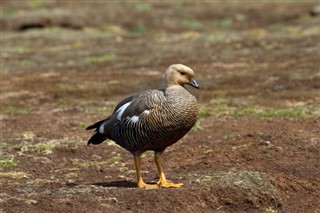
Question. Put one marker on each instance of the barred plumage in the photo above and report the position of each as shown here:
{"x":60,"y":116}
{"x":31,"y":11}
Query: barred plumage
{"x":152,"y":120}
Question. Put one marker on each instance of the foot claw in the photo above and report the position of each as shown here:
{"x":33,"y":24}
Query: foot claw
{"x":148,"y":186}
{"x":169,"y":184}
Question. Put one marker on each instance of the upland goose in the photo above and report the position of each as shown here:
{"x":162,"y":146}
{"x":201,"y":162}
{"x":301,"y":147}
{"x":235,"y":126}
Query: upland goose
{"x":152,"y":120}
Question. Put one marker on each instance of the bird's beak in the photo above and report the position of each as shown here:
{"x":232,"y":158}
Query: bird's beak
{"x":194,"y":83}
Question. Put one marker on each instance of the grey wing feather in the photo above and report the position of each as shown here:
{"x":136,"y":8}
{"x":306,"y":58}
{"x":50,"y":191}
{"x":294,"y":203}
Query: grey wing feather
{"x":143,"y":101}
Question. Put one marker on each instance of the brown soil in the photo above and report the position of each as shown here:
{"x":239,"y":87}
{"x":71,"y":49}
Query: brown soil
{"x":64,"y":65}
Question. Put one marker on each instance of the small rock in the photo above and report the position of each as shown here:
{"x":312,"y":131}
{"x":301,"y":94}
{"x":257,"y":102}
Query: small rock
{"x":31,"y":202}
{"x":315,"y":11}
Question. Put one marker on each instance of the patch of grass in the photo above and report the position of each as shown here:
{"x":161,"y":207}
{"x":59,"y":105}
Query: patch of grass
{"x":82,"y":125}
{"x":55,"y":29}
{"x":71,"y":175}
{"x":214,"y":110}
{"x":100,"y":59}
{"x":23,"y":146}
{"x":8,"y":161}
{"x":197,"y":126}
{"x":296,"y":112}
{"x":142,"y":7}
{"x":228,"y":137}
{"x":13,"y":175}
{"x":204,"y":112}
{"x":14,"y":110}
{"x":27,"y":135}
{"x":243,"y":112}
{"x":42,"y":148}
{"x":221,"y":109}
{"x":39,"y":148}
{"x":36,"y":3}
{"x":277,"y":26}
{"x":27,"y":62}
{"x":9,"y":11}
{"x":192,"y":24}
{"x":3,"y":145}
{"x":114,"y":159}
{"x":139,"y":29}
{"x":64,"y":100}
{"x":226,"y":50}
{"x":225,"y":23}
{"x":104,"y":110}
{"x":216,"y":37}
{"x":316,"y":110}
{"x":20,"y":50}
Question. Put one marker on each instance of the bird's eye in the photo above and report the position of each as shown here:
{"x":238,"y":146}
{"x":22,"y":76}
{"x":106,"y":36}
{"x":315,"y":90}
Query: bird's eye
{"x":182,"y":73}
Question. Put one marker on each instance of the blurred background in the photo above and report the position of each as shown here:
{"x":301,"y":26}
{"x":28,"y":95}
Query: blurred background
{"x":65,"y":64}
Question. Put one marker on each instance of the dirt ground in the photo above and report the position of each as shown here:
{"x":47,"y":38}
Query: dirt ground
{"x":66,"y":64}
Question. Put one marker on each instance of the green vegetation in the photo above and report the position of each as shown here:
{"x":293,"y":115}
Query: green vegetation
{"x":216,"y":110}
{"x":8,"y":161}
{"x":42,"y":148}
{"x":3,"y":145}
{"x":36,"y":3}
{"x":316,"y":110}
{"x":192,"y":24}
{"x":82,"y":125}
{"x":139,"y":29}
{"x":296,"y":112}
{"x":243,"y":112}
{"x":114,"y":159}
{"x":21,"y":49}
{"x":27,"y":62}
{"x":39,"y":148}
{"x":100,"y":59}
{"x":216,"y":37}
{"x":225,"y":23}
{"x":9,"y":11}
{"x":71,"y":175}
{"x":14,"y":110}
{"x":277,"y":26}
{"x":142,"y":7}
{"x":64,"y":100}
{"x":13,"y":175}
{"x":228,"y":137}
{"x":223,"y":110}
{"x":197,"y":126}
{"x":27,"y":135}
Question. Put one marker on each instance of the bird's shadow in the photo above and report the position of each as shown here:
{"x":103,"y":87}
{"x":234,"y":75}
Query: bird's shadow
{"x":109,"y":184}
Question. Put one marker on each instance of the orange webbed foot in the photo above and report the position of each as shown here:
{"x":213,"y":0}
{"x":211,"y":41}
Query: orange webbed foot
{"x":168,"y":184}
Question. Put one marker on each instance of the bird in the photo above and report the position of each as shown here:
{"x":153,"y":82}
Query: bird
{"x":152,"y":120}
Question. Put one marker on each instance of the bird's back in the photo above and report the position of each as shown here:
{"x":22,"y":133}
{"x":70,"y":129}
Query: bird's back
{"x":165,"y":117}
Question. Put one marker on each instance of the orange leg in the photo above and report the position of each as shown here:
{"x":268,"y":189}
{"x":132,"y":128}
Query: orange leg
{"x":162,"y":178}
{"x":140,"y":182}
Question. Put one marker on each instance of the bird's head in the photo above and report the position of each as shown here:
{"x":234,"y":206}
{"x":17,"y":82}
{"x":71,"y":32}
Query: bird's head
{"x":179,"y":74}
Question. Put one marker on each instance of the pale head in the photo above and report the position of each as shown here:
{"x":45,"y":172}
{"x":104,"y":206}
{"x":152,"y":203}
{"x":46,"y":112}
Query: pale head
{"x":179,"y":75}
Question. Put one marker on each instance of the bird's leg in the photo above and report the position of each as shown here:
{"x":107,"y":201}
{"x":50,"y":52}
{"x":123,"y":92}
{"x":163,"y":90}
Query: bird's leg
{"x":162,"y":178}
{"x":140,"y":182}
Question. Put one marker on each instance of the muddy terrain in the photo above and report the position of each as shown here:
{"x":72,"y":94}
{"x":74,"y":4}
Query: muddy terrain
{"x":66,"y":64}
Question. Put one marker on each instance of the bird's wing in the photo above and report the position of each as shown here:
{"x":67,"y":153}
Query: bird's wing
{"x":131,"y":107}
{"x":102,"y":122}
{"x":139,"y":103}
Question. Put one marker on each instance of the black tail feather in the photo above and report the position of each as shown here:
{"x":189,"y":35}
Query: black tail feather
{"x":97,"y":138}
{"x":95,"y":125}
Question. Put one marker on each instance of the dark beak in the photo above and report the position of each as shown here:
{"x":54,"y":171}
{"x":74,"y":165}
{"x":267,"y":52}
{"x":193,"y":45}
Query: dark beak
{"x":194,"y":83}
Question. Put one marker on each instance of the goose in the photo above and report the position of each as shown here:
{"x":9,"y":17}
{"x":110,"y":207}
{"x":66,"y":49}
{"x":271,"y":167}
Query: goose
{"x":152,"y":120}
